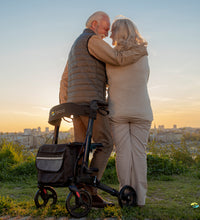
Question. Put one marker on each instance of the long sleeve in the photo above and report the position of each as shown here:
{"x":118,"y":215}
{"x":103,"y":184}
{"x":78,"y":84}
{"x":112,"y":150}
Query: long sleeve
{"x":104,"y":52}
{"x":63,"y":86}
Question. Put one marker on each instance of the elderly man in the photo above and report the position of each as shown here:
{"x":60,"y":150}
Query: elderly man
{"x":84,"y":80}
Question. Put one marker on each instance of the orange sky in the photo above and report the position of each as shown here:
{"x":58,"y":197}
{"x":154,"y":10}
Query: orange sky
{"x":35,"y":47}
{"x":16,"y":123}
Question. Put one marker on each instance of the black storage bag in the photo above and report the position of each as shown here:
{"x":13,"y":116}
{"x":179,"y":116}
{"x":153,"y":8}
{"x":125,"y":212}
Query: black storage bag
{"x":55,"y":163}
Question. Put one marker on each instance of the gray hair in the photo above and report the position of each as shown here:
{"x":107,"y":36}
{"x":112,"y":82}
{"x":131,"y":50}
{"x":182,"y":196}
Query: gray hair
{"x":126,"y":33}
{"x":97,"y":16}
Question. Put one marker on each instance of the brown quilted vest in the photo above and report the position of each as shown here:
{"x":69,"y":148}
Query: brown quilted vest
{"x":86,"y":74}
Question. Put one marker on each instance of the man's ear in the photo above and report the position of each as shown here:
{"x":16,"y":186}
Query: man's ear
{"x":94,"y":24}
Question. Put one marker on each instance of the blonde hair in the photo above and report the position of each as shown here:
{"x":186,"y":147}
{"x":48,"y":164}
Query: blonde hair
{"x":97,"y":16}
{"x":126,"y":33}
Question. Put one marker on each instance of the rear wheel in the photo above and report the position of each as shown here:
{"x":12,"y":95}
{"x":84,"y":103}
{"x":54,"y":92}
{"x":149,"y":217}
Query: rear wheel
{"x":127,"y":196}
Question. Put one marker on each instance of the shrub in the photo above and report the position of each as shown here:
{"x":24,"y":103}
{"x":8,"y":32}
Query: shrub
{"x":8,"y":155}
{"x":163,"y":166}
{"x":16,"y":161}
{"x":156,"y":166}
{"x":182,"y":154}
{"x":176,"y":153}
{"x":110,"y":174}
{"x":197,"y":160}
{"x":24,"y":169}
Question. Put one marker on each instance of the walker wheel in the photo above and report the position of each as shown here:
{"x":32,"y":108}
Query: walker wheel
{"x":127,"y":197}
{"x":44,"y":195}
{"x":78,"y":205}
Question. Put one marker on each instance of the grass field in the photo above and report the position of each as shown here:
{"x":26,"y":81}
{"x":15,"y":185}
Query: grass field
{"x":167,"y":198}
{"x":172,"y":186}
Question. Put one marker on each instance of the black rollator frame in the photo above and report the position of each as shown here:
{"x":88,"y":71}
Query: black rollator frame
{"x":78,"y":201}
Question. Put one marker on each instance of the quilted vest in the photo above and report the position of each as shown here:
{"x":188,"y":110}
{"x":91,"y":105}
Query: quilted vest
{"x":86,"y":74}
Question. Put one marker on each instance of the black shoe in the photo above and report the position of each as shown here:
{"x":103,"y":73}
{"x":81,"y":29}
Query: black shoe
{"x":98,"y":202}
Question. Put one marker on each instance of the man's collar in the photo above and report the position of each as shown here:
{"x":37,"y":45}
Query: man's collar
{"x":88,"y":30}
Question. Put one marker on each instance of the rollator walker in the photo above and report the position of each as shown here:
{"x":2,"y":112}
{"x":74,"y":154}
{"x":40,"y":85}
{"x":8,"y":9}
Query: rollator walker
{"x":67,"y":165}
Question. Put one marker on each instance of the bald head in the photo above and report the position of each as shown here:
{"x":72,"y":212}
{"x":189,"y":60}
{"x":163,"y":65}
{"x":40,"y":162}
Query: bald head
{"x":99,"y":22}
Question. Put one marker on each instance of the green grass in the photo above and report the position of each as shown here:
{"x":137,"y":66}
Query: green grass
{"x":172,"y":186}
{"x":169,"y":199}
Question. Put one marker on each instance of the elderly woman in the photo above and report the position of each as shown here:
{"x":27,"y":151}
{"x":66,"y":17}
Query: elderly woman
{"x":130,"y":110}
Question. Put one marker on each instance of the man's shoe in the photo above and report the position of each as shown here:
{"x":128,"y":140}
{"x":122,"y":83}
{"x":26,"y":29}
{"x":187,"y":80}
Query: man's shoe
{"x":98,"y":202}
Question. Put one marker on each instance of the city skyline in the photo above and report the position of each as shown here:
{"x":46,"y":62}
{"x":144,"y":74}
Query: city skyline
{"x":36,"y":37}
{"x":50,"y":128}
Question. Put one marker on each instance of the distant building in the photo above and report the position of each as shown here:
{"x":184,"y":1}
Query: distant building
{"x":161,"y":127}
{"x":153,"y":134}
{"x":27,"y":131}
{"x":167,"y":136}
{"x":34,"y":131}
{"x":47,"y":130}
{"x":174,"y":126}
{"x":64,"y":135}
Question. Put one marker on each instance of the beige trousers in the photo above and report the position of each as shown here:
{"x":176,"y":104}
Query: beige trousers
{"x":101,"y":134}
{"x":130,"y":139}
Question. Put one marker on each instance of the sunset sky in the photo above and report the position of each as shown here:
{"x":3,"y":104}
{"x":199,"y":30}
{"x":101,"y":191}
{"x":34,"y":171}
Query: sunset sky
{"x":36,"y":36}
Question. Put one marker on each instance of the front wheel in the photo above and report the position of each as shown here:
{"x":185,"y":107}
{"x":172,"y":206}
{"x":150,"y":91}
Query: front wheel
{"x":44,"y":195}
{"x":78,"y":204}
{"x":127,"y":197}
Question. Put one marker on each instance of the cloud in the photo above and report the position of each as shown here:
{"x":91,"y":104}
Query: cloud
{"x":162,"y":99}
{"x":170,"y":112}
{"x":25,"y":113}
{"x":158,"y":86}
{"x":42,"y":108}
